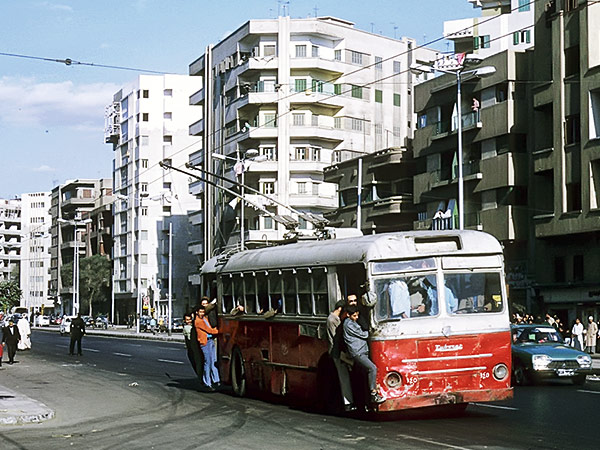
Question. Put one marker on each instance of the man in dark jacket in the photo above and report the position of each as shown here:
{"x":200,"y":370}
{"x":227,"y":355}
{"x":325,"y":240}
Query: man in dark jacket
{"x":356,"y":340}
{"x":10,"y":335}
{"x":77,"y":332}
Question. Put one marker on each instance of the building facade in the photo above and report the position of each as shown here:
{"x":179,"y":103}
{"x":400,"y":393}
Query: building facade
{"x":565,"y":159}
{"x":503,"y":25}
{"x":35,"y":252}
{"x":302,"y":94}
{"x":10,"y":239}
{"x":147,"y":123}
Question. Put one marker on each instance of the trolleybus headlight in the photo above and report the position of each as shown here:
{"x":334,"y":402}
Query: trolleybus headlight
{"x":393,"y":380}
{"x":500,"y":372}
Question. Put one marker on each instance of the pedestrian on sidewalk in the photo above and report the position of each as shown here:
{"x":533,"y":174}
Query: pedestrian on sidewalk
{"x":11,"y":336}
{"x":577,"y":333}
{"x":77,"y":332}
{"x":25,"y":332}
{"x":590,"y":336}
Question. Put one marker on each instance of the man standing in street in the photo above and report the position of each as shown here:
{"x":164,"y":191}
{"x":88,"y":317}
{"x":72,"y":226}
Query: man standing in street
{"x":25,"y":332}
{"x":77,"y":332}
{"x":356,"y":340}
{"x":10,"y":335}
{"x":590,"y":336}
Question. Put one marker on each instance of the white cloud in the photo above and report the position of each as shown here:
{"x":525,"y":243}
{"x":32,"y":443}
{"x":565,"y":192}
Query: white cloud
{"x":26,"y":102}
{"x":55,"y":6}
{"x":44,"y":168}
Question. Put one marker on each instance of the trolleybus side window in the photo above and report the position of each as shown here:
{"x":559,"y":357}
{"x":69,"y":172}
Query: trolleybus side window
{"x":304,"y":292}
{"x":238,"y":290}
{"x":289,"y":293}
{"x":404,"y":297}
{"x":227,"y":304}
{"x":250,"y":293}
{"x":262,"y":292}
{"x":319,"y":280}
{"x":474,"y":293}
{"x":276,"y":291}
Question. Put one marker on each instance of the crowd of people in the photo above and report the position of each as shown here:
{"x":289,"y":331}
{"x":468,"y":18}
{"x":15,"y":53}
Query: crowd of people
{"x":15,"y":336}
{"x":580,"y":336}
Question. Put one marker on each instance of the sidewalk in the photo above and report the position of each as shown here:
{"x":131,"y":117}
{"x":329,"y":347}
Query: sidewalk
{"x":18,"y":409}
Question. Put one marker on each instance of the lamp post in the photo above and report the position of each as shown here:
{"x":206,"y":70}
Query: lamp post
{"x":480,"y":72}
{"x":76,"y":224}
{"x":249,"y":155}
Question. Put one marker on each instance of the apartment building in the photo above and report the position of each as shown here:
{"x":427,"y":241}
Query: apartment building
{"x":74,"y":207}
{"x":35,"y":252}
{"x":302,"y":94}
{"x":494,"y":153}
{"x":10,"y":239}
{"x":503,"y":25}
{"x":146,"y":123}
{"x":565,"y":152}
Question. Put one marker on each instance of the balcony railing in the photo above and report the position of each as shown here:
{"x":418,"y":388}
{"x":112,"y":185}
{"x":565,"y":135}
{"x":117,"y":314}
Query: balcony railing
{"x":469,"y":120}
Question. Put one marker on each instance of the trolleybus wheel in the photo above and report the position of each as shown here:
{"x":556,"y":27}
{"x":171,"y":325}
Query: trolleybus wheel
{"x":238,"y":373}
{"x":520,"y":376}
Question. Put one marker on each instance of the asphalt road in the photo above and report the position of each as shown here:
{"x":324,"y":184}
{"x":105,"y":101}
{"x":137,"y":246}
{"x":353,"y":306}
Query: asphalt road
{"x":136,"y":394}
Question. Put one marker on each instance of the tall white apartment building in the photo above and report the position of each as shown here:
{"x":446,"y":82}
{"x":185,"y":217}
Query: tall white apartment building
{"x":503,"y":25}
{"x":303,"y":93}
{"x":147,"y":123}
{"x":35,"y":251}
{"x":10,"y":238}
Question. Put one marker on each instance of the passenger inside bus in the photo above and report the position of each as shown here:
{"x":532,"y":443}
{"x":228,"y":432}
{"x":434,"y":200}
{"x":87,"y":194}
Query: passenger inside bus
{"x":406,"y":297}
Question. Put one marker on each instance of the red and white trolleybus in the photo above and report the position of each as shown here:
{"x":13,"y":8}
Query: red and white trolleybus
{"x":435,"y":300}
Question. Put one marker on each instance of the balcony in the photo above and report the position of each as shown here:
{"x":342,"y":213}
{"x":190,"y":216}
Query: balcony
{"x":307,"y":166}
{"x":508,"y":169}
{"x":459,"y":29}
{"x":313,"y":201}
{"x":197,"y":128}
{"x":196,"y":158}
{"x":470,"y":120}
{"x":543,"y":160}
{"x":194,"y":279}
{"x":257,"y":63}
{"x":196,"y":247}
{"x":196,"y":218}
{"x":506,"y":222}
{"x":197,"y":98}
{"x":196,"y":188}
{"x":332,"y":67}
{"x":329,"y":134}
{"x":397,"y":204}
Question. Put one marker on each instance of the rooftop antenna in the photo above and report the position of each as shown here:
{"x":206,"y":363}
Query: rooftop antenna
{"x":395,"y":29}
{"x":316,"y":11}
{"x":372,"y":26}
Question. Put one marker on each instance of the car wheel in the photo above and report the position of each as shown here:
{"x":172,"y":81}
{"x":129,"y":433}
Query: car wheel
{"x":238,"y":373}
{"x":579,"y":380}
{"x":520,"y":376}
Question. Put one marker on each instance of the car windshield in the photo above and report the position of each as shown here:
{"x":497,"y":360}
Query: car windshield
{"x":537,"y":335}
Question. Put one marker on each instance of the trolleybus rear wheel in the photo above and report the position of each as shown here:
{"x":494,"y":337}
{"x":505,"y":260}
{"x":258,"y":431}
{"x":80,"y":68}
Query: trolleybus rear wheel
{"x":238,"y":373}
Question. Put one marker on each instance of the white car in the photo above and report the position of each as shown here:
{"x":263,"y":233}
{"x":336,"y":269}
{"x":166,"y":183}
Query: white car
{"x":42,"y":321}
{"x":65,"y":325}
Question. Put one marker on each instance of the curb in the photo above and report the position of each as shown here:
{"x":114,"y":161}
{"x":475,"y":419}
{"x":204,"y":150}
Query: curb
{"x":18,"y":409}
{"x":121,"y":334}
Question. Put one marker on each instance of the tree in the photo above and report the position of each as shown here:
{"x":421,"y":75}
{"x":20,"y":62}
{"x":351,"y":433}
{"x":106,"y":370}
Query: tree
{"x":94,"y":281}
{"x":10,"y":295}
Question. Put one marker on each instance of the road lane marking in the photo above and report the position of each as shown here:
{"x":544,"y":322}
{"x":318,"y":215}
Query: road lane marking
{"x":170,"y":348}
{"x":510,"y":408}
{"x":170,"y":361}
{"x":135,"y":345}
{"x":429,"y":441}
{"x":91,"y":350}
{"x":122,"y":354}
{"x":588,"y":392}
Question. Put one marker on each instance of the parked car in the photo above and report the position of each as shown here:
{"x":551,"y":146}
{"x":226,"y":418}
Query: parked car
{"x":42,"y":321}
{"x":177,"y":325}
{"x":539,"y":352}
{"x":101,"y":322}
{"x":65,"y":325}
{"x":89,"y":321}
{"x":145,"y":323}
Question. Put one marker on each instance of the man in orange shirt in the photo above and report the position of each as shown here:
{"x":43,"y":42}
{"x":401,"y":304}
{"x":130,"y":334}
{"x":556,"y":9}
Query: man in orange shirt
{"x":210,"y":377}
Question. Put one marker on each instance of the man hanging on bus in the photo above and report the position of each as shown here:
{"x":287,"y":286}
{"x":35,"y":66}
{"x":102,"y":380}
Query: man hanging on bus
{"x":356,"y":340}
{"x":336,"y":340}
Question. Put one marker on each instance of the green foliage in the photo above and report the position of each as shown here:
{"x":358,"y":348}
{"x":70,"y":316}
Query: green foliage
{"x":10,"y":294}
{"x":94,"y":283}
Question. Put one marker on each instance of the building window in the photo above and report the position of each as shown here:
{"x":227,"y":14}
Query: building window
{"x":397,"y":67}
{"x":146,"y":93}
{"x":167,"y":139}
{"x":396,"y":99}
{"x":167,"y":185}
{"x":481,"y":42}
{"x":298,"y":120}
{"x":357,"y":124}
{"x":315,"y":153}
{"x":301,"y":187}
{"x":573,"y":196}
{"x":337,"y":123}
{"x":578,"y":274}
{"x":144,"y":235}
{"x":337,"y":89}
{"x":357,"y":57}
{"x":269,"y":152}
{"x":315,"y":51}
{"x":337,"y":55}
{"x":300,"y":85}
{"x":145,"y":117}
{"x":572,"y":129}
{"x":572,"y":61}
{"x":268,"y":223}
{"x":595,"y":184}
{"x":300,"y":51}
{"x":559,"y":269}
{"x":269,"y":50}
{"x":315,"y":189}
{"x":300,"y":154}
{"x":144,"y":187}
{"x":302,"y":224}
{"x":168,"y":92}
{"x":270,"y":120}
{"x":357,"y":91}
{"x":144,"y":211}
{"x":145,"y":141}
{"x":168,"y":116}
{"x":522,"y":37}
{"x":267,"y":187}
{"x":571,"y":5}
{"x":166,"y":210}
{"x":144,"y":258}
{"x":594,"y":116}
{"x":378,"y":96}
{"x":378,"y":63}
{"x":524,"y":5}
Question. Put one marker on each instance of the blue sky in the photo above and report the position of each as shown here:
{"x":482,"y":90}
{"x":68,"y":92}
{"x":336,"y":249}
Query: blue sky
{"x":52,"y":115}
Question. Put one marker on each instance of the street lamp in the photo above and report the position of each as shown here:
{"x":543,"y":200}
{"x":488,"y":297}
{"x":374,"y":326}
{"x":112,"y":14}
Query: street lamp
{"x":252,"y":156}
{"x":76,"y":224}
{"x":480,"y":72}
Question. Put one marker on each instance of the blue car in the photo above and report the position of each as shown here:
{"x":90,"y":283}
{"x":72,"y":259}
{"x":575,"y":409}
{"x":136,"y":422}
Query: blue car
{"x":539,"y":352}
